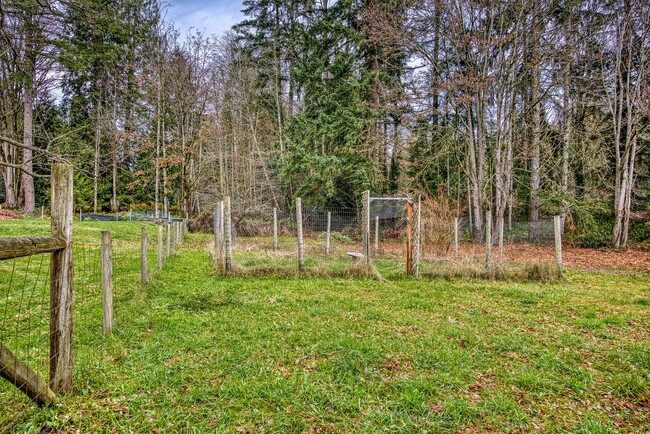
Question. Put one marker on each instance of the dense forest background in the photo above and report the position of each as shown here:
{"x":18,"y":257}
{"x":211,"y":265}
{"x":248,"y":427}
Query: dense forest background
{"x":528,"y":108}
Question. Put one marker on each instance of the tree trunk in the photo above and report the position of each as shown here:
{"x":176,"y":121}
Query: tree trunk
{"x":28,"y":180}
{"x":28,"y":114}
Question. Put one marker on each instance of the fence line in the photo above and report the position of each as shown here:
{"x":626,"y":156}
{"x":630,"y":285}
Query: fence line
{"x":430,"y":236}
{"x":25,"y":270}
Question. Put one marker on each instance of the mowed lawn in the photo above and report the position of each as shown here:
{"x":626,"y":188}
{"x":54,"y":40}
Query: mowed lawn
{"x":197,"y":352}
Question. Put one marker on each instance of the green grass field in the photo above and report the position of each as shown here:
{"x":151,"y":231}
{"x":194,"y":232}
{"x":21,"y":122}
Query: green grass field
{"x":197,"y":352}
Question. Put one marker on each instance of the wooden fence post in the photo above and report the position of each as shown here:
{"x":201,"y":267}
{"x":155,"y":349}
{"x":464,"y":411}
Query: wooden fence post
{"x":301,"y":259}
{"x":275,"y":229}
{"x":227,"y":235}
{"x":365,"y":229}
{"x":61,"y":272}
{"x":409,"y":238}
{"x":144,"y":277}
{"x":456,"y":224}
{"x":329,"y":232}
{"x":215,"y":229}
{"x":107,"y":280}
{"x":174,"y":236}
{"x":488,"y":238}
{"x":160,"y":246}
{"x":418,"y":235}
{"x":167,"y":239}
{"x":558,"y":244}
{"x":376,"y":236}
{"x":222,"y":225}
{"x":501,"y":223}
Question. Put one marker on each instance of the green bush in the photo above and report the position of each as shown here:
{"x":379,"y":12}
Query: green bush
{"x":593,"y":224}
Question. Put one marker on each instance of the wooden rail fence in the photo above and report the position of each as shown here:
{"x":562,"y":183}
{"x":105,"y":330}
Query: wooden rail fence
{"x":59,"y":245}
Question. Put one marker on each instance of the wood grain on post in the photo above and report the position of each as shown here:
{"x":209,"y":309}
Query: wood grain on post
{"x":222,"y":225}
{"x":227,"y":235}
{"x":275,"y":229}
{"x":376,"y":236}
{"x":409,"y":239}
{"x":488,"y":238}
{"x":144,"y":275}
{"x":558,"y":243}
{"x":168,"y":239}
{"x":329,"y":232}
{"x":61,"y":273}
{"x":160,"y":246}
{"x":301,"y":259}
{"x":365,"y":223}
{"x":501,"y":228}
{"x":17,"y":247}
{"x":418,"y":235}
{"x":107,"y":280}
{"x":215,"y":229}
{"x":174,"y":236}
{"x":456,"y":224}
{"x":18,"y":373}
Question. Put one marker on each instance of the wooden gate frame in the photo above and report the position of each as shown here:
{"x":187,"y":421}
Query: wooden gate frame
{"x":365,"y":228}
{"x":59,"y":244}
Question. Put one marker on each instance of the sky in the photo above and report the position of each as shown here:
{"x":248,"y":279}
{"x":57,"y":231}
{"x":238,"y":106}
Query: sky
{"x":209,"y":16}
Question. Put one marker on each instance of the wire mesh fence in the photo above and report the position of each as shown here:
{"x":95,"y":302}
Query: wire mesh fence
{"x":25,"y":302}
{"x":131,"y":215}
{"x":24,"y":316}
{"x":514,"y":231}
{"x":392,"y":240}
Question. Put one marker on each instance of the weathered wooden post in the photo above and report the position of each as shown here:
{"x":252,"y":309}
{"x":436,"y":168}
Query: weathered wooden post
{"x":215,"y":229}
{"x":329,"y":232}
{"x":376,"y":236}
{"x":160,"y":246}
{"x":488,"y":238}
{"x":301,"y":259}
{"x":61,"y":272}
{"x":418,"y":237}
{"x":174,"y":237}
{"x":365,"y":229}
{"x":456,"y":224}
{"x":227,"y":235}
{"x":409,"y":238}
{"x":222,"y":225}
{"x":275,"y":229}
{"x":558,"y":244}
{"x":501,"y":224}
{"x":167,"y":239}
{"x":107,"y":280}
{"x":144,"y":276}
{"x":42,"y":212}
